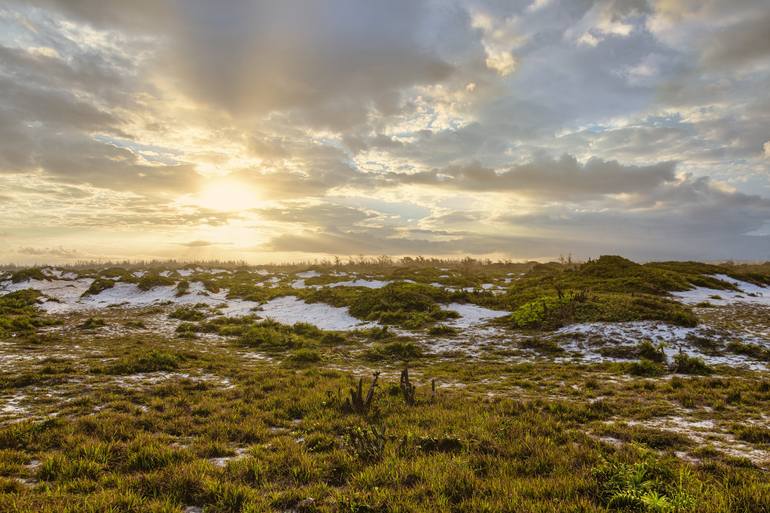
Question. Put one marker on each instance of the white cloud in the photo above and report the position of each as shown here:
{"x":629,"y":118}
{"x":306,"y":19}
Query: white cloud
{"x":500,"y":37}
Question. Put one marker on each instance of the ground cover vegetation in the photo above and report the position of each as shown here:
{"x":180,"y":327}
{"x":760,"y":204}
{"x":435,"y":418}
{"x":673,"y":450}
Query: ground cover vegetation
{"x":177,"y":407}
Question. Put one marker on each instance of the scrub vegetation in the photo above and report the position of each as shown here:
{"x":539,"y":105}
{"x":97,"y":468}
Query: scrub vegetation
{"x":179,"y":406}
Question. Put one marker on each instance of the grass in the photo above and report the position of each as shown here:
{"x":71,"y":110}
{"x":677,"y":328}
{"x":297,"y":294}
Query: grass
{"x":150,"y":447}
{"x":19,"y":315}
{"x":152,"y":361}
{"x":32,"y":273}
{"x":98,"y":286}
{"x":686,"y":364}
{"x":254,"y":415}
{"x":153,"y":279}
{"x":551,"y":312}
{"x":410,"y":305}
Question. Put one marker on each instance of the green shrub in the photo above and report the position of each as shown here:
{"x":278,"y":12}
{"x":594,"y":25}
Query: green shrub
{"x":98,"y":286}
{"x":648,"y":351}
{"x":648,"y":368}
{"x":152,"y":280}
{"x":686,"y":364}
{"x":182,"y":288}
{"x":411,"y":305}
{"x":187,"y":313}
{"x":403,"y":350}
{"x":32,"y":273}
{"x":302,"y":356}
{"x":366,"y":443}
{"x":642,"y":487}
{"x":272,"y":336}
{"x":442,"y":330}
{"x":755,"y":351}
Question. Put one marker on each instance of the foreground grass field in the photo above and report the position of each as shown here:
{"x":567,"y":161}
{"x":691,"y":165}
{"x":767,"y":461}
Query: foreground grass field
{"x":178,"y":409}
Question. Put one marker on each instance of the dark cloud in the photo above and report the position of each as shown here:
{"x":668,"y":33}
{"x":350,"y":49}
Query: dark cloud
{"x":562,"y":178}
{"x":324,"y":215}
{"x":740,"y":44}
{"x":327,"y":64}
{"x":383,"y":126}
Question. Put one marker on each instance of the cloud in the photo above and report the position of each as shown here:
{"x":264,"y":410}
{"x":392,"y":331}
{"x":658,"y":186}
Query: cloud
{"x":742,"y":43}
{"x":528,"y":128}
{"x":328,"y":65}
{"x":563,"y":178}
{"x":58,"y":252}
{"x":201,"y":244}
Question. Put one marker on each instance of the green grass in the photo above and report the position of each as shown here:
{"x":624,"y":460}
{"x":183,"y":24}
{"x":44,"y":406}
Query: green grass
{"x":552,"y":312}
{"x":410,"y":305}
{"x":32,"y":273}
{"x":19,"y":315}
{"x":135,"y":421}
{"x":149,"y":447}
{"x":98,"y":286}
{"x":686,"y":364}
{"x":152,"y":280}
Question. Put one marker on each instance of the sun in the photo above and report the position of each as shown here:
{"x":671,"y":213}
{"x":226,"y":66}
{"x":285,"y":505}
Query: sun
{"x":228,"y":195}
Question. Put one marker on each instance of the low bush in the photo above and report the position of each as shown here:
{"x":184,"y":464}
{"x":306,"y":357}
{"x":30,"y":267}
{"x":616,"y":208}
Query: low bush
{"x":152,"y":280}
{"x":98,"y":286}
{"x":647,"y":368}
{"x":686,"y":364}
{"x":304,"y":356}
{"x":187,"y":313}
{"x":152,"y":361}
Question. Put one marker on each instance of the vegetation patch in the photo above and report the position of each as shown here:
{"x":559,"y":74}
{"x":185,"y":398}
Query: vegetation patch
{"x":98,"y":286}
{"x":411,"y":305}
{"x":31,"y":273}
{"x":152,"y":361}
{"x":686,"y":364}
{"x":152,"y":280}
{"x":19,"y":315}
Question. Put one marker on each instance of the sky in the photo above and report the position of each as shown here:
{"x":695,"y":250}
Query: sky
{"x":272,"y":131}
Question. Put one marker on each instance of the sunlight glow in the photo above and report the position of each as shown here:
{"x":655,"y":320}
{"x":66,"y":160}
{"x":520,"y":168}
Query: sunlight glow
{"x":228,"y":195}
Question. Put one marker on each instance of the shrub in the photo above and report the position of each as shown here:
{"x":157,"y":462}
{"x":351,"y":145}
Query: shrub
{"x":333,"y":339}
{"x":98,"y":286}
{"x":267,"y":337}
{"x":686,"y":364}
{"x":182,"y":288}
{"x":404,"y":350}
{"x":366,"y":443}
{"x":302,"y":356}
{"x":442,"y":330}
{"x":755,"y":351}
{"x":411,"y":305}
{"x":152,"y":280}
{"x":645,"y":367}
{"x":307,"y":330}
{"x":32,"y":273}
{"x":187,"y":313}
{"x":647,"y":350}
{"x":643,"y":487}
